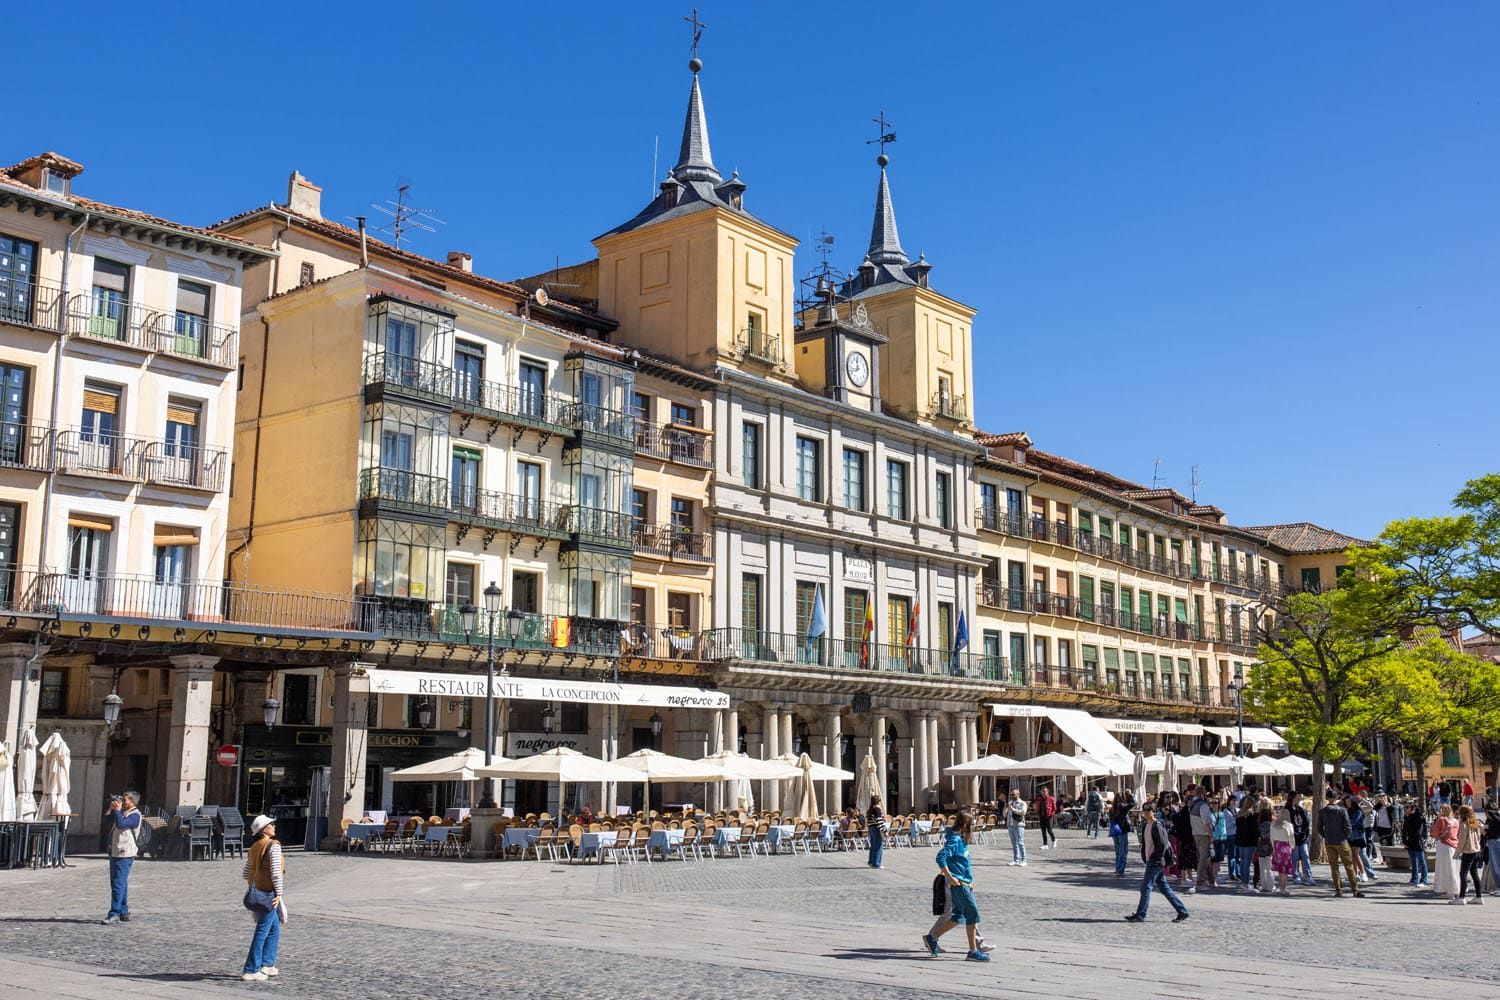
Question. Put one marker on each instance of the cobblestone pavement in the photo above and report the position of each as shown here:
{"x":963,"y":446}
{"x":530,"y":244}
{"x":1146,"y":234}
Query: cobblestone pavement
{"x":778,"y":927}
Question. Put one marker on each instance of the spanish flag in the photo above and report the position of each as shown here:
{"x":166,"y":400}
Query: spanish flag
{"x":869,"y":637}
{"x":561,"y":632}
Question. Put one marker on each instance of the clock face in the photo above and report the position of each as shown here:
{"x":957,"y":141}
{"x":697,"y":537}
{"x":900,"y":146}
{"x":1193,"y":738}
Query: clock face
{"x":859,"y":368}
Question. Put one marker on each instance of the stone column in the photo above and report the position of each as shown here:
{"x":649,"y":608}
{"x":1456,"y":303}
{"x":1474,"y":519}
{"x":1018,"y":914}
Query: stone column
{"x":187,"y":739}
{"x":716,"y":744}
{"x":610,"y":750}
{"x":770,"y":791}
{"x":934,"y":761}
{"x":906,"y":791}
{"x":14,"y":656}
{"x":877,"y":740}
{"x":346,"y":779}
{"x":832,"y":745}
{"x":971,"y":733}
{"x":919,"y":773}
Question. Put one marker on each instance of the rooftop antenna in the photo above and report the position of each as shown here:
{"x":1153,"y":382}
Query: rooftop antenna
{"x":556,"y":268}
{"x":1194,"y":484}
{"x":885,"y":136}
{"x":404,"y":217}
{"x":1155,"y":473}
{"x":655,"y":156}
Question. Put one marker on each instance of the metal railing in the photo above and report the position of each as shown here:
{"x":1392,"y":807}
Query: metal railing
{"x":74,"y":593}
{"x":422,"y":620}
{"x":1032,"y":601}
{"x":665,"y":643}
{"x":590,"y":418}
{"x":845,"y":654}
{"x":26,"y":445}
{"x":111,"y":318}
{"x":32,"y":302}
{"x":760,"y":344}
{"x":593,"y":524}
{"x":673,"y":542}
{"x":440,"y":383}
{"x":403,"y":490}
{"x":165,"y":463}
{"x":949,"y":406}
{"x":673,"y":444}
{"x":508,"y":512}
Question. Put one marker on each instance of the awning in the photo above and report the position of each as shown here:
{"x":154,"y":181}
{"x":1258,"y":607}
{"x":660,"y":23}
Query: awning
{"x":1256,"y":737}
{"x":540,"y":689}
{"x":1152,"y":726}
{"x":1077,"y":725}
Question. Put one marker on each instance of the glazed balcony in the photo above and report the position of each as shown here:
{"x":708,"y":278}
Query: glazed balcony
{"x":386,"y":372}
{"x":400,"y":490}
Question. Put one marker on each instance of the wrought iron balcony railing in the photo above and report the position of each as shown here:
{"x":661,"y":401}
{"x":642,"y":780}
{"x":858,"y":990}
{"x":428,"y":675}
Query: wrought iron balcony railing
{"x":846,"y":654}
{"x":108,"y":317}
{"x":508,"y":512}
{"x":441,"y":384}
{"x":402,"y":490}
{"x":761,"y":345}
{"x":31,"y":302}
{"x":83,"y":593}
{"x":26,"y":445}
{"x":674,"y":444}
{"x":670,"y":541}
{"x":421,"y":620}
{"x":950,"y":406}
{"x":166,"y":463}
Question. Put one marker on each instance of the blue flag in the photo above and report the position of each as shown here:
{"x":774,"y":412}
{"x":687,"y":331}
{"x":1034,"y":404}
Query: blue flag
{"x":960,"y":638}
{"x":818,"y":627}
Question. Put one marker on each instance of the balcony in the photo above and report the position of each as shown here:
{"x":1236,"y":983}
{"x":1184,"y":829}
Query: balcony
{"x":400,"y":490}
{"x":489,"y":510}
{"x":425,"y":621}
{"x":601,"y":527}
{"x":759,"y":344}
{"x":435,"y":383}
{"x":26,"y":445}
{"x":674,"y":543}
{"x":25,"y":590}
{"x":410,"y":377}
{"x":949,"y":406}
{"x":616,"y":427}
{"x":34,"y":303}
{"x":116,"y":456}
{"x":150,"y":328}
{"x":673,"y":443}
{"x":854,"y":655}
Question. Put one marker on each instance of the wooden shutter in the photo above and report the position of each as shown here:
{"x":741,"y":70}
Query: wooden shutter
{"x":97,"y":522}
{"x":101,"y":400}
{"x":180,"y":412}
{"x":166,"y":534}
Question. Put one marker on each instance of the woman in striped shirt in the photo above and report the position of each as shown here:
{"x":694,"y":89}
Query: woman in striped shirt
{"x":265,"y":870}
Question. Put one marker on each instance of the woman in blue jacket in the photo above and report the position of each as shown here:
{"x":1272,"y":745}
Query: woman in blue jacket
{"x":953,"y":862}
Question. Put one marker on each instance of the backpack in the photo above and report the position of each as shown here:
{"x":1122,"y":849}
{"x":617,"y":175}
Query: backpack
{"x":142,"y":836}
{"x":1163,"y":837}
{"x":939,"y":895}
{"x":1095,"y":802}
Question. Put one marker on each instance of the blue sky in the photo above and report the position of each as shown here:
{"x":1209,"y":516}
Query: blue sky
{"x":1262,"y":240}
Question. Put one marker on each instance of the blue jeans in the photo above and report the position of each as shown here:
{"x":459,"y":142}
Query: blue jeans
{"x":1492,"y":847}
{"x":1301,"y":864}
{"x":1419,"y":865}
{"x":1246,"y":857}
{"x":1122,"y":852}
{"x":1092,"y":829}
{"x":1361,"y":859}
{"x":119,"y":886}
{"x":1156,"y":879}
{"x":1017,"y":842}
{"x":877,"y":846}
{"x":263,"y":944}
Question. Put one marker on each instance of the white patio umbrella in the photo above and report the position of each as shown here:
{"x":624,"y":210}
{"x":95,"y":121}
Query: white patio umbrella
{"x":7,"y":785}
{"x":1138,"y":776}
{"x":26,"y":776}
{"x":739,"y":765}
{"x":820,"y":772}
{"x":662,"y":768}
{"x":56,"y":779}
{"x":984,"y":767}
{"x":461,"y":766}
{"x":1169,"y":771}
{"x":1054,"y":763}
{"x":564,"y":766}
{"x":804,"y":793}
{"x":867,"y":785}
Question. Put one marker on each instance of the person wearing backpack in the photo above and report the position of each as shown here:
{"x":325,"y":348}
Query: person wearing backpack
{"x":1094,"y":807}
{"x":1015,"y":825}
{"x":1156,"y":851}
{"x":123,"y":821}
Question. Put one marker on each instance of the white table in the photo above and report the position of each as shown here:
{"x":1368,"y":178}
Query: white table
{"x":520,"y":836}
{"x":364,"y":832}
{"x":724,"y":837}
{"x":777,"y":834}
{"x":435,"y":834}
{"x":919,"y":829}
{"x":594,"y":843}
{"x":663,"y":841}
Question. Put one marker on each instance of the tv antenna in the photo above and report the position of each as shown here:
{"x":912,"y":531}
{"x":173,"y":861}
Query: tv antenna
{"x":885,"y":135}
{"x":556,"y":268}
{"x":1155,"y":473}
{"x":404,"y":217}
{"x":1194,"y":483}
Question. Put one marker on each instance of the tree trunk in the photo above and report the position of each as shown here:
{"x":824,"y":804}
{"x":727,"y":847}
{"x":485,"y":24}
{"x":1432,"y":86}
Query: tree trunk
{"x":1315,"y":835}
{"x":1422,"y":795}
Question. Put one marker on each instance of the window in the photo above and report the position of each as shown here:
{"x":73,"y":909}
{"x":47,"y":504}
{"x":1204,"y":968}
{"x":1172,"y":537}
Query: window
{"x":1086,"y":598}
{"x":458,"y":585}
{"x":1132,"y":674}
{"x":17,"y":279}
{"x":1148,"y":667}
{"x":306,"y":274}
{"x":525,"y":591}
{"x":101,"y":413}
{"x":943,"y":498}
{"x":809,"y":469}
{"x":679,"y":611}
{"x":1039,"y":658}
{"x":897,"y":620}
{"x":682,"y":515}
{"x":1124,"y":536}
{"x":640,"y":508}
{"x":468,"y":371}
{"x":750,"y":603}
{"x":1015,"y":598}
{"x":1452,"y":758}
{"x":639,"y":606}
{"x":806,"y":595}
{"x":945,"y":626}
{"x":895,"y":489}
{"x":183,"y":419}
{"x":190,"y":326}
{"x":1090,"y":666}
{"x":640,"y":407}
{"x":532,"y":383}
{"x":856,"y":607}
{"x":1112,"y":669}
{"x":88,"y":551}
{"x":989,"y":501}
{"x":684,"y":415}
{"x":529,"y":489}
{"x":854,"y":479}
{"x":54,"y":694}
{"x":1065,"y":662}
{"x":110,"y":300}
{"x":1018,"y":657}
{"x":298,"y":707}
{"x":171,"y":565}
{"x":1338,"y":576}
{"x":750,"y":456}
{"x":464,"y":484}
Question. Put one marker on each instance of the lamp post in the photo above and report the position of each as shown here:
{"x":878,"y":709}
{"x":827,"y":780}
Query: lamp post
{"x":268,"y":710}
{"x":470,"y":616}
{"x":656,"y":730}
{"x":424,"y":715}
{"x":1238,"y":686}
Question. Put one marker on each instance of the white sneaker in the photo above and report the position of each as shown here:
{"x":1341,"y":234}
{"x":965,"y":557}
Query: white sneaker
{"x":254,"y":977}
{"x":270,"y":970}
{"x":1458,"y":901}
{"x":1023,"y":864}
{"x":1011,"y":864}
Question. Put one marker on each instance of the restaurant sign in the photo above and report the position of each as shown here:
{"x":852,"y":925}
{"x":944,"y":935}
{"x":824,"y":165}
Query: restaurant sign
{"x":413,"y":682}
{"x":526,"y":744}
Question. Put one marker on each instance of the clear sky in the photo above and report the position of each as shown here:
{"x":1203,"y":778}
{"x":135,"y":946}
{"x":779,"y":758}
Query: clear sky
{"x":1263,"y":240}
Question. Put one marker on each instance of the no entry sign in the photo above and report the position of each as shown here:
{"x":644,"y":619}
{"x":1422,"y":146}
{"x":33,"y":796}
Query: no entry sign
{"x":228,"y":755}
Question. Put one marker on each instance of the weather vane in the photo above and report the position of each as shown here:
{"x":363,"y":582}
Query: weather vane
{"x":698,"y":27}
{"x":884,"y":136}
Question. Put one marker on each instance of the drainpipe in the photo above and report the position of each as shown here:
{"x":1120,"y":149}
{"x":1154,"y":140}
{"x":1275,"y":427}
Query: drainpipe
{"x":62,"y":305}
{"x":364,"y":245}
{"x":265,"y":351}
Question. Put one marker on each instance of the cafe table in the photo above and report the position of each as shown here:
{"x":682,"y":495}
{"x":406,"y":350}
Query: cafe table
{"x":919,"y":829}
{"x":663,"y":841}
{"x":363,"y":832}
{"x":520,"y":837}
{"x":724,"y":838}
{"x":595,"y":842}
{"x":776,"y":834}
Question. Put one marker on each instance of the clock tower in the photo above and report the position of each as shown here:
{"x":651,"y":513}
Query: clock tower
{"x":838,"y":348}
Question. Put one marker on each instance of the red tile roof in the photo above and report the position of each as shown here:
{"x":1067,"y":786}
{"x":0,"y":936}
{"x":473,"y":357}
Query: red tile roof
{"x":1304,"y":537}
{"x":1013,"y":438}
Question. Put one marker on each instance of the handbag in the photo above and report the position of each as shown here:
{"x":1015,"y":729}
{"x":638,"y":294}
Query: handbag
{"x":1114,"y":828}
{"x":939,"y":895}
{"x":258,"y":901}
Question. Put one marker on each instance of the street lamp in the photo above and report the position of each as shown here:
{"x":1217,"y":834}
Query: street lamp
{"x":424,"y":714}
{"x":471,"y":618}
{"x":1238,"y":686}
{"x":656,"y":730}
{"x":268,"y":710}
{"x":548,"y":719}
{"x":112,"y":705}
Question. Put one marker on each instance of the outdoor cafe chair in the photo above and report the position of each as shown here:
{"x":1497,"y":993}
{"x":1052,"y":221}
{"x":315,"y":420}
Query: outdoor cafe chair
{"x":760,"y":841}
{"x":200,"y":837}
{"x":575,"y":840}
{"x":745,"y":846}
{"x":408,"y":837}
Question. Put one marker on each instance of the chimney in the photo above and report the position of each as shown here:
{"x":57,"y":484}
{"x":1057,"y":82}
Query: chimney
{"x":461,"y":260}
{"x":304,"y":197}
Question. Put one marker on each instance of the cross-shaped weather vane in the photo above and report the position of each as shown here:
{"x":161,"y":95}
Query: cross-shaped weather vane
{"x":698,"y":27}
{"x":885,"y":136}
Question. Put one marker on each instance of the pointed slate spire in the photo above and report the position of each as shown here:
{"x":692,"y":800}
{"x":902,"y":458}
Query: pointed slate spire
{"x":695,"y":162}
{"x":885,"y":242}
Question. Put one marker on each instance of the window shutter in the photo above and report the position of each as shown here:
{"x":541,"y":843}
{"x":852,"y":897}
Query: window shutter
{"x":182,"y":413}
{"x":166,"y":534}
{"x":101,"y":400}
{"x":109,"y":275}
{"x":94,"y":521}
{"x":192,"y":298}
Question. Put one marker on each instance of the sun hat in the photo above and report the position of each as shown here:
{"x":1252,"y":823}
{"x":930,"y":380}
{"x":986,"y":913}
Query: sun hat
{"x":259,"y":823}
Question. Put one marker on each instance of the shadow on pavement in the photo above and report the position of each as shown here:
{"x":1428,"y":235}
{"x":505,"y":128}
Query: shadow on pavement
{"x":882,"y":954}
{"x":49,"y":920}
{"x":174,"y":977}
{"x":1079,"y":920}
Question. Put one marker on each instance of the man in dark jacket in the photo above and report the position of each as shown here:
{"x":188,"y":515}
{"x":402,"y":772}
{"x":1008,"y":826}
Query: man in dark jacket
{"x":1333,"y":824}
{"x":1301,"y":827}
{"x":1155,"y":843}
